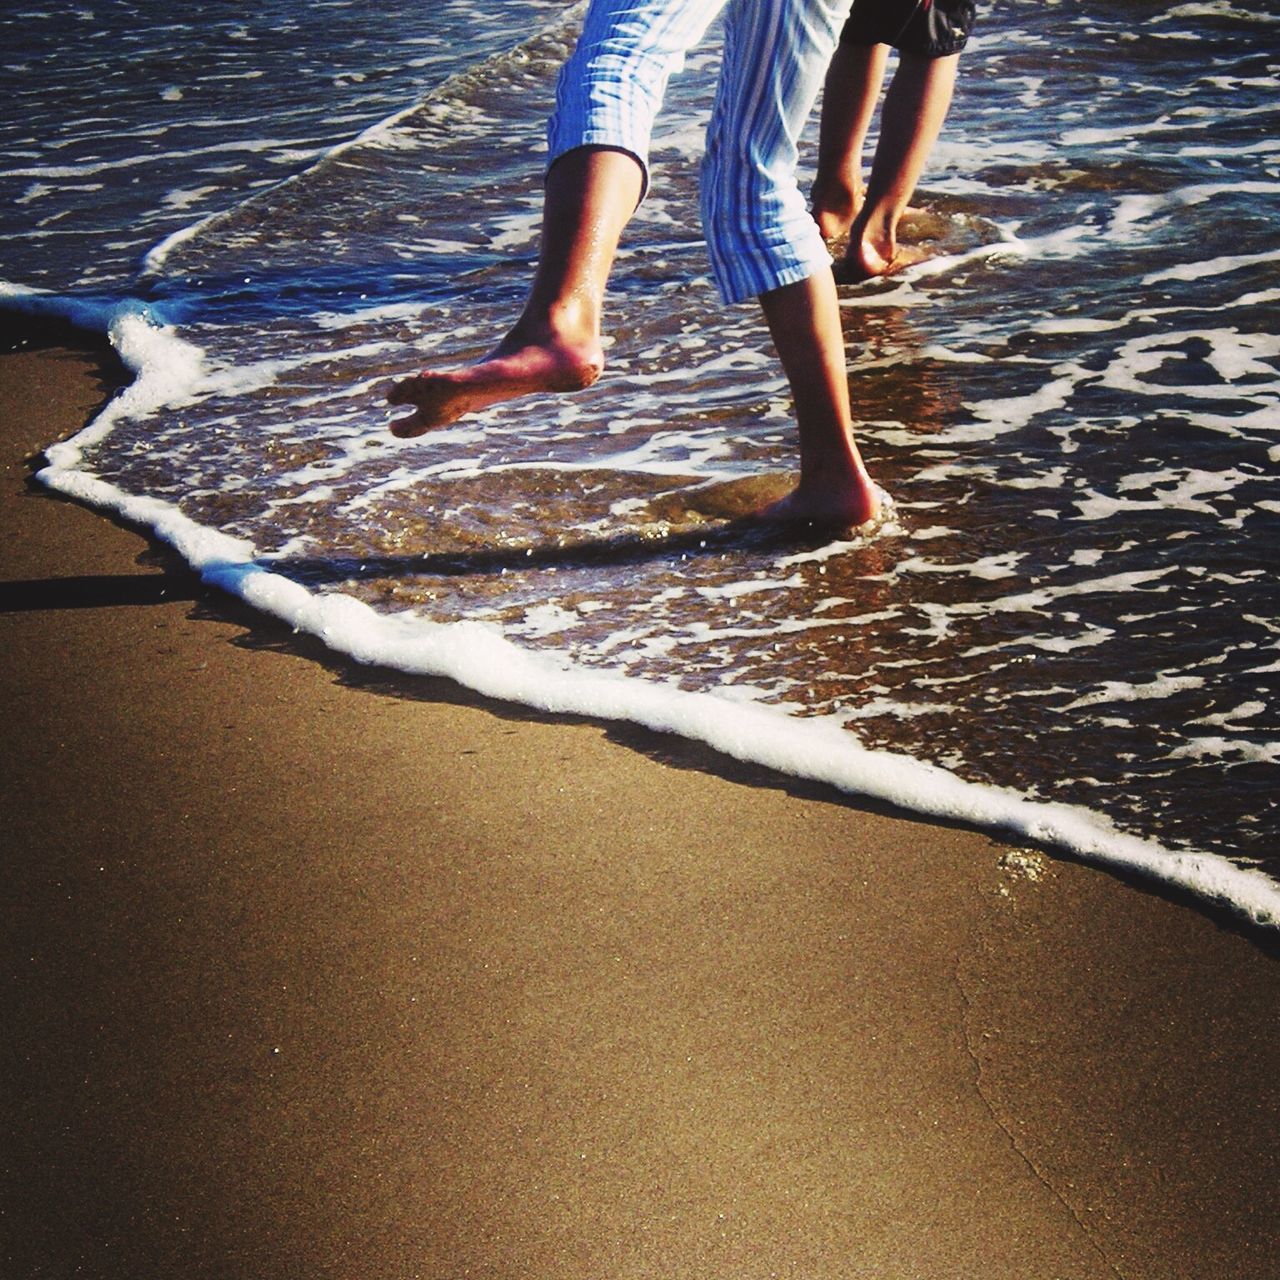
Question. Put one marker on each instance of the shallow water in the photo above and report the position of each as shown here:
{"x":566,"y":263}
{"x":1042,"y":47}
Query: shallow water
{"x":1074,"y":404}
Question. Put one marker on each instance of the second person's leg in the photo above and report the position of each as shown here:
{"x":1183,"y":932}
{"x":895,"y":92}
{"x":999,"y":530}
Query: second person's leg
{"x":914,"y":111}
{"x":849,"y":99}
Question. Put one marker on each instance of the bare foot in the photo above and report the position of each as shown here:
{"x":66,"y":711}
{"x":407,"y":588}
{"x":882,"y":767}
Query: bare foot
{"x":864,"y":261}
{"x":835,"y":204}
{"x":812,"y":505}
{"x":439,"y":398}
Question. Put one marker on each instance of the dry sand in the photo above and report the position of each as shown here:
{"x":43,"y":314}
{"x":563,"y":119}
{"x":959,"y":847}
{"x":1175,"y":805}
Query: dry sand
{"x":312,"y":971}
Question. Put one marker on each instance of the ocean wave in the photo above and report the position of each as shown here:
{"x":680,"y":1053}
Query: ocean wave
{"x":1072,"y":404}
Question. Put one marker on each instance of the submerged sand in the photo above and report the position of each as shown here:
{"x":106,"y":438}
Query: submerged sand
{"x":314,"y":971}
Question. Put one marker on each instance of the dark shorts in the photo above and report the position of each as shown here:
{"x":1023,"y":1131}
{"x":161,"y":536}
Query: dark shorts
{"x":931,"y":28}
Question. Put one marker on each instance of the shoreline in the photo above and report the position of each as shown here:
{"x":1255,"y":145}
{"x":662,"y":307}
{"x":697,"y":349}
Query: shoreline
{"x":493,"y":668}
{"x":328,"y":971}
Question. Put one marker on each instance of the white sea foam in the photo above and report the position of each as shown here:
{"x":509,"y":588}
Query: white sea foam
{"x":1233,"y":354}
{"x":996,"y":417}
{"x":1224,"y":719}
{"x":1214,"y":9}
{"x":184,"y":198}
{"x":155,"y":257}
{"x":169,"y":371}
{"x":1100,"y":393}
{"x":1068,"y":242}
{"x":1213,"y":267}
{"x":1267,"y":148}
{"x":735,"y":590}
{"x":480,"y":658}
{"x":1217,"y":748}
{"x":290,"y":148}
{"x":1188,"y":490}
{"x":1093,"y":137}
{"x":1133,"y":209}
{"x":988,"y":568}
{"x":1121,"y":691}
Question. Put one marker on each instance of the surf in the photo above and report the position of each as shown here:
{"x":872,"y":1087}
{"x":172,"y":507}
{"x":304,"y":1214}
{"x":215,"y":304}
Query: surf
{"x":979,"y":660}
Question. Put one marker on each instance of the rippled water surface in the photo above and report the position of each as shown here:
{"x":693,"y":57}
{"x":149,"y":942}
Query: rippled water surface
{"x":1074,"y":404}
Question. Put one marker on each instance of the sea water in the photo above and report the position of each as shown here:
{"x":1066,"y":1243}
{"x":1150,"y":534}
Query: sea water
{"x":1069,"y":627}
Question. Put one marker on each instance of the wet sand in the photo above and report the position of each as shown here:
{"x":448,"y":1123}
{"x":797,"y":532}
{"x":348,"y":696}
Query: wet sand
{"x":312,"y":971}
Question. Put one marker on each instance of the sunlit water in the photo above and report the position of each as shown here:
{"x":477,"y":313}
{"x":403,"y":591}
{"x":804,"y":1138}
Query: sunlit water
{"x":1075,"y":405}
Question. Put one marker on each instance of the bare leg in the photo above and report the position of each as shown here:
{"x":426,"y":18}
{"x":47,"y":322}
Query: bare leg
{"x":555,"y":345}
{"x":849,"y":98}
{"x":834,"y":487}
{"x":914,"y":110}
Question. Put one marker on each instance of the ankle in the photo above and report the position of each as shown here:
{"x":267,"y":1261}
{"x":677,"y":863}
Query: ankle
{"x":565,"y":327}
{"x":835,"y":197}
{"x":822,"y":502}
{"x":574,"y":320}
{"x":879,"y":231}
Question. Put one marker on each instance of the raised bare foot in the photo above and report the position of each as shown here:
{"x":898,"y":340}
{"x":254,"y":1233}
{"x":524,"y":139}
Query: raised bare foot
{"x":865,"y":504}
{"x":439,"y":398}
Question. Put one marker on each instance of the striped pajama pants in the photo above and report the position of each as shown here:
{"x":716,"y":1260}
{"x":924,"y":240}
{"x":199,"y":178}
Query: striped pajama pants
{"x":759,"y":232}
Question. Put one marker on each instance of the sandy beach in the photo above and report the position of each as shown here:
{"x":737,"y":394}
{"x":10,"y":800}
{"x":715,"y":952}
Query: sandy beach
{"x":315,"y":971}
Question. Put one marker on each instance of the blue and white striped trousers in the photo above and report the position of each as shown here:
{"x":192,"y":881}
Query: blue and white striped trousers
{"x":759,"y":232}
